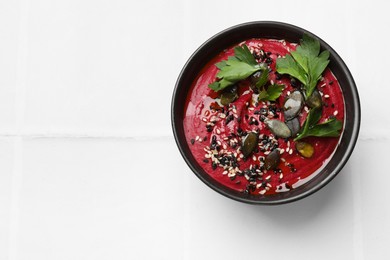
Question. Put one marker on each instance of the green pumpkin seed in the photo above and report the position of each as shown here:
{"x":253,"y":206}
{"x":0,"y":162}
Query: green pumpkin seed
{"x":278,"y":128}
{"x":305,"y":149}
{"x":293,"y":105}
{"x":249,"y":143}
{"x":315,"y":100}
{"x":229,"y":95}
{"x":272,"y":160}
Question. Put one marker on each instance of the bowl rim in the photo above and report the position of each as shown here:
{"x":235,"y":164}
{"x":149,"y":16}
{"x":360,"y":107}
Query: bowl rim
{"x":356,"y":122}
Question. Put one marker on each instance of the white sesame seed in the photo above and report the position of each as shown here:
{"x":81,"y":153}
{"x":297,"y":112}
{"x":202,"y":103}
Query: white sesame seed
{"x":269,"y":185}
{"x":287,"y":149}
{"x":267,"y":152}
{"x":282,"y":159}
{"x":323,"y":85}
{"x":241,"y":156}
{"x":288,"y":93}
{"x":254,"y":158}
{"x":200,"y":140}
{"x":234,"y":111}
{"x":197,"y":138}
{"x":251,"y":108}
{"x":291,"y":151}
{"x":219,"y":142}
{"x":225,"y":172}
{"x":288,"y":143}
{"x":207,"y":113}
{"x":281,"y":151}
{"x":230,"y":168}
{"x":259,"y":185}
{"x":262,"y":192}
{"x":271,"y":81}
{"x":268,"y":177}
{"x":207,"y":155}
{"x":281,"y":176}
{"x":335,"y":113}
{"x":218,"y":131}
{"x":204,"y":119}
{"x":326,"y":96}
{"x":224,"y":146}
{"x":321,"y":93}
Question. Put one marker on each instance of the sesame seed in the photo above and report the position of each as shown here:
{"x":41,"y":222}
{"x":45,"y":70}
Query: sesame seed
{"x":251,"y":108}
{"x":197,"y":138}
{"x":281,"y":176}
{"x":269,"y":185}
{"x":219,"y":142}
{"x":234,"y":111}
{"x":222,"y":115}
{"x":207,"y":113}
{"x":326,"y":96}
{"x":207,"y":155}
{"x":281,"y":151}
{"x":218,"y":131}
{"x":254,"y":158}
{"x":287,"y":149}
{"x":225,"y":172}
{"x":335,"y":113}
{"x":204,"y":119}
{"x":323,"y":85}
{"x":268,"y":177}
{"x":290,"y":152}
{"x":262,"y":192}
{"x":224,"y":146}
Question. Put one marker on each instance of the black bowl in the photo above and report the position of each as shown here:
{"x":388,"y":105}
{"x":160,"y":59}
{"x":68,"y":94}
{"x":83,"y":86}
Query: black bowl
{"x":276,"y":30}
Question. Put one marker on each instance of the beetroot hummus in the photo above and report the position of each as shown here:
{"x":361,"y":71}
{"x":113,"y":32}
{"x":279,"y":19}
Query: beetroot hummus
{"x":216,"y":133}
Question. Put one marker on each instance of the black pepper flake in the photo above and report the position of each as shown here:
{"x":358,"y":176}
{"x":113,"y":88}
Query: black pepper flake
{"x":229,"y":118}
{"x":214,"y":166}
{"x":288,"y":186}
{"x":192,"y":141}
{"x":332,"y":105}
{"x":278,"y":76}
{"x":239,"y":119}
{"x":206,"y":160}
{"x":331,"y":82}
{"x":238,"y":182}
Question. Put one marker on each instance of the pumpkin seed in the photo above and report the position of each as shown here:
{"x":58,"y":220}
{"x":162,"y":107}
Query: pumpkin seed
{"x":294,"y":126}
{"x":229,"y":95}
{"x":278,"y":128}
{"x":293,"y":105}
{"x":304,"y":149}
{"x":249,"y":143}
{"x":272,"y":160}
{"x":315,"y":100}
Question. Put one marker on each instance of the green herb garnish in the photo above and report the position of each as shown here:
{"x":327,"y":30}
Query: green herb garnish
{"x":306,"y":63}
{"x":329,"y":128}
{"x":271,"y":93}
{"x":236,"y":68}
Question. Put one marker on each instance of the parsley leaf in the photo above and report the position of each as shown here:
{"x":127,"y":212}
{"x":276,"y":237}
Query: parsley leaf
{"x":306,"y":63}
{"x":236,"y":68}
{"x":271,"y":93}
{"x":329,"y":128}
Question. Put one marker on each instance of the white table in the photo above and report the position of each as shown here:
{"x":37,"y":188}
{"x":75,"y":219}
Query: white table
{"x":86,"y":174}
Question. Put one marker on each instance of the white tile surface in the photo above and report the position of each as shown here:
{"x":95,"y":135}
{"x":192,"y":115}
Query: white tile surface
{"x":86,"y":174}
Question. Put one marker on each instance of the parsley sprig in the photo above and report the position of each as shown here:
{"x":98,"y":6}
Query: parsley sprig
{"x":236,"y":68}
{"x":306,"y":63}
{"x":311,"y":127}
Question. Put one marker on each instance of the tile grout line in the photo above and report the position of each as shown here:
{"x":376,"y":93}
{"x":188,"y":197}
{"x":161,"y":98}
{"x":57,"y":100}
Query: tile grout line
{"x":17,"y":174}
{"x":358,"y":250}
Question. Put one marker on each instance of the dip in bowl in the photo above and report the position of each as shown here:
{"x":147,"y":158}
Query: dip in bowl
{"x":265,"y":113}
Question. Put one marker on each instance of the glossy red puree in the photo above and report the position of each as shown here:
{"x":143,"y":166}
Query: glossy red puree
{"x":293,"y":168}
